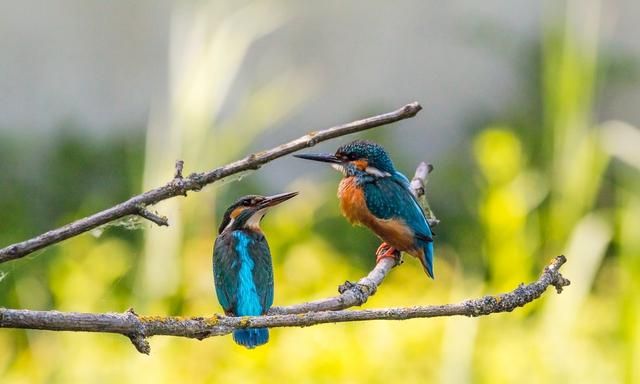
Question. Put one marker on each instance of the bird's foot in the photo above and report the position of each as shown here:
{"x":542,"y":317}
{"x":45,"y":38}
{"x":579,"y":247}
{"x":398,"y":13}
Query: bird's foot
{"x":385,"y":250}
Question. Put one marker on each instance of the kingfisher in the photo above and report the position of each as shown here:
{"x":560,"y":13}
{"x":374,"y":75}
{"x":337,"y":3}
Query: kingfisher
{"x":373,"y":193}
{"x":242,"y":267}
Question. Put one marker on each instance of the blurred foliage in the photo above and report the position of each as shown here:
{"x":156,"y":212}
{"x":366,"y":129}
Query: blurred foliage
{"x":546,"y":178}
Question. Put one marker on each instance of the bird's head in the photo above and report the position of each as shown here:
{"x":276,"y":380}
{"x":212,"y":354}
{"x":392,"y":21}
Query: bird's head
{"x":247,"y":211}
{"x":357,"y":158}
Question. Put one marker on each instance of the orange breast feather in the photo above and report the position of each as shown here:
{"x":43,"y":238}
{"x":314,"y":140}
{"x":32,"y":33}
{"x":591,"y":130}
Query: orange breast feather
{"x":354,"y":207}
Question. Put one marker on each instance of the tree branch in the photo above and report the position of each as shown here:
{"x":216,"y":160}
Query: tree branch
{"x":351,"y":294}
{"x":196,"y":181}
{"x":418,"y":187}
{"x":139,"y":327}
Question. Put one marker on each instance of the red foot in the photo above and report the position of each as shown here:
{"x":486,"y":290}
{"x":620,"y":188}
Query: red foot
{"x":385,"y":250}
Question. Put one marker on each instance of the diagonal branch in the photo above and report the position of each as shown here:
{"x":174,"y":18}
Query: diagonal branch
{"x":351,"y":295}
{"x":196,"y":181}
{"x":139,"y":327}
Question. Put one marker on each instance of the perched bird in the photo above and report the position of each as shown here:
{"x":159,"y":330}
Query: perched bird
{"x":242,"y":268}
{"x":373,"y":193}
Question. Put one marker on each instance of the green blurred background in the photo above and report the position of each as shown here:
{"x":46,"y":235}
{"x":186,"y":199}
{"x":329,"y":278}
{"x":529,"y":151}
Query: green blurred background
{"x":529,"y":120}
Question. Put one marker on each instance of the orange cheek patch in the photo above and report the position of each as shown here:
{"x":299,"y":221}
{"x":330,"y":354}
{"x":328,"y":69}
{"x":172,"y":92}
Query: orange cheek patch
{"x":361,"y":164}
{"x":236,"y":212}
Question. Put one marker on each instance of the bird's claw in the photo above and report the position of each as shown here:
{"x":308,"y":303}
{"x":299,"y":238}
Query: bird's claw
{"x":385,"y":250}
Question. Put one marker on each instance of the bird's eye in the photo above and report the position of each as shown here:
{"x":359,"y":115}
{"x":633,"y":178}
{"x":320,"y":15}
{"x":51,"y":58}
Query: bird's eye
{"x":246,"y":203}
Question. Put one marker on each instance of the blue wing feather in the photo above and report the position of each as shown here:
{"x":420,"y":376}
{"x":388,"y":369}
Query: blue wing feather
{"x":391,"y":198}
{"x":225,"y":271}
{"x":404,"y":180}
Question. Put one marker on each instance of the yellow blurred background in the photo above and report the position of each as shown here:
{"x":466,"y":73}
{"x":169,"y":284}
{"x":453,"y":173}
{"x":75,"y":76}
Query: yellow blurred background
{"x":530,"y":120}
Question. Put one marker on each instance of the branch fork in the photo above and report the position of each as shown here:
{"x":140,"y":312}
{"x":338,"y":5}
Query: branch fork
{"x":138,"y":337}
{"x":151,"y":216}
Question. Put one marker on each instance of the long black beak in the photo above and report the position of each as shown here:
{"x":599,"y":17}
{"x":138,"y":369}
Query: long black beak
{"x":271,"y":201}
{"x":323,"y":157}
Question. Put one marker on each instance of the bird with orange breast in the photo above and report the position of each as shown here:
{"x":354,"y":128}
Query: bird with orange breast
{"x":373,"y":193}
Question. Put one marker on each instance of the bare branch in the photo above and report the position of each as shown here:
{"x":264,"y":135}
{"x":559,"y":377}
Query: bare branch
{"x":351,"y":294}
{"x":196,"y":181}
{"x":419,"y":181}
{"x":418,"y":185}
{"x":129,"y":323}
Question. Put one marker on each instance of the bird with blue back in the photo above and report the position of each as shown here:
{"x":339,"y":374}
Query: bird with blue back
{"x":242,"y":266}
{"x":373,"y":193}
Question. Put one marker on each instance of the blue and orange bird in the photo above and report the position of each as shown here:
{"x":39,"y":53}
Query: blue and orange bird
{"x":242,"y":268}
{"x":373,"y":193}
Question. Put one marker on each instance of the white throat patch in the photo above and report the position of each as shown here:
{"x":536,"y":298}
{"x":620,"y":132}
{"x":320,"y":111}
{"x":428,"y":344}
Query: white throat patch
{"x":376,"y":172}
{"x":254,"y":220}
{"x":339,"y":168}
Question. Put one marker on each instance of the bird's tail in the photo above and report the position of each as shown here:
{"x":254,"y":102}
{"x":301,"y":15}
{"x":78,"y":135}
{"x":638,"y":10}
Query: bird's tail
{"x":427,"y":258}
{"x":251,"y":337}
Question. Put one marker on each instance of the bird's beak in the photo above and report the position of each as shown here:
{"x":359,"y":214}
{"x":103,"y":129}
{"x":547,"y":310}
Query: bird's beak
{"x":323,"y":157}
{"x":277,"y":199}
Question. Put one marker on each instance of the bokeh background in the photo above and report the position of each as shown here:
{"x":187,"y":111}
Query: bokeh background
{"x":530,"y":118}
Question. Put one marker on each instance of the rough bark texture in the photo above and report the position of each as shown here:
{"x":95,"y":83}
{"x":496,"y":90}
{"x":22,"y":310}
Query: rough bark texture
{"x":137,"y":327}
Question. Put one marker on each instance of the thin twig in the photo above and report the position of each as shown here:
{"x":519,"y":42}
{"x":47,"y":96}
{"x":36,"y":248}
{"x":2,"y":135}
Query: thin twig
{"x":178,"y":172}
{"x":418,"y":186}
{"x":196,"y":181}
{"x":199,"y":327}
{"x":147,"y":214}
